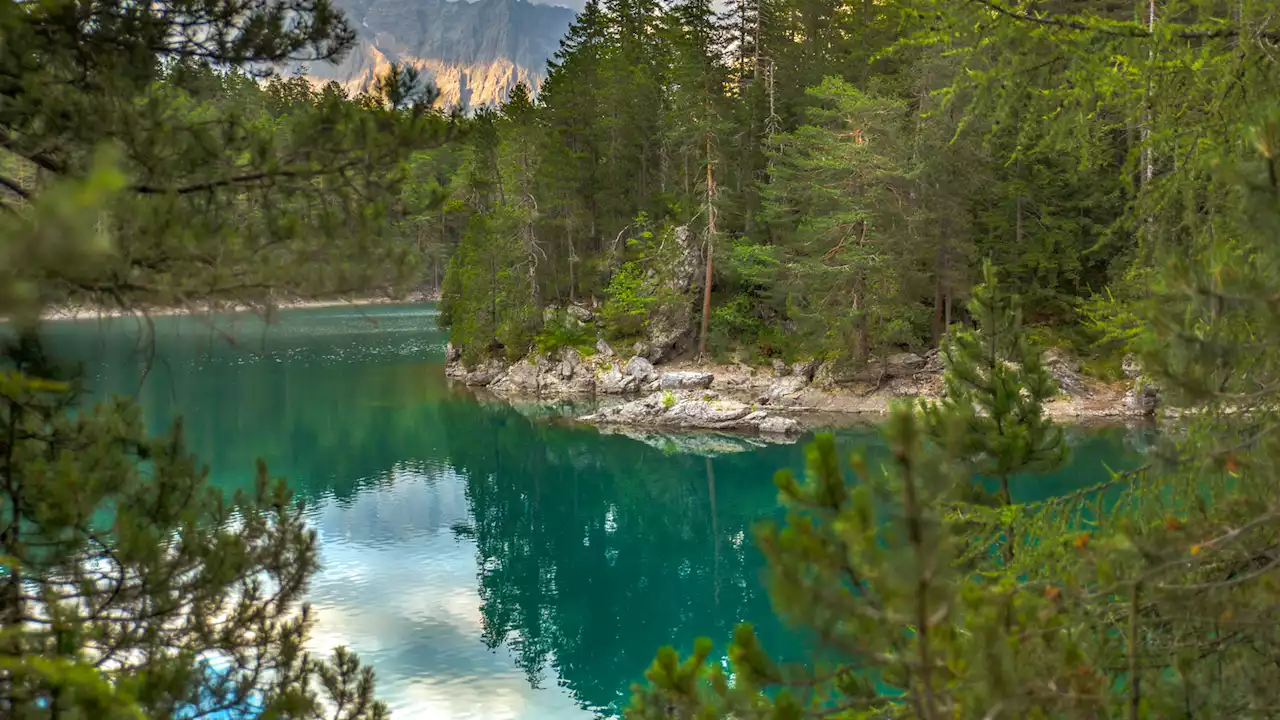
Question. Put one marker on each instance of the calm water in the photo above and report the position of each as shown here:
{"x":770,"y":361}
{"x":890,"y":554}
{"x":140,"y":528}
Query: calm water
{"x":487,"y":564}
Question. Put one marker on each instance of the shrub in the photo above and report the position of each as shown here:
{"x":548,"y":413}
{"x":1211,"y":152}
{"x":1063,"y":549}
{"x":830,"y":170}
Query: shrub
{"x":564,"y":331}
{"x":628,"y":304}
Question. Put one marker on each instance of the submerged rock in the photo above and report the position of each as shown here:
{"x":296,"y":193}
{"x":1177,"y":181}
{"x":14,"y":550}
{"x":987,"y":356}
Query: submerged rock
{"x":701,"y":410}
{"x":705,"y":444}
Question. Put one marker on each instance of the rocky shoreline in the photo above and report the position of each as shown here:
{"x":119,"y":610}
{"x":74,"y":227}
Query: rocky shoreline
{"x":775,"y":401}
{"x":95,"y":312}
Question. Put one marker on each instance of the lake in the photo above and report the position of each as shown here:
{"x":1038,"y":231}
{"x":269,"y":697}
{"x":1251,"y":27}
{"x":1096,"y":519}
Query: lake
{"x":486,"y":563}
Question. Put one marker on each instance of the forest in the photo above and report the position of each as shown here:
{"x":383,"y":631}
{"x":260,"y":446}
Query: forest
{"x":843,"y":169}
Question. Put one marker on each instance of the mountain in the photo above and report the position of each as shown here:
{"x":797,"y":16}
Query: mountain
{"x":475,"y":52}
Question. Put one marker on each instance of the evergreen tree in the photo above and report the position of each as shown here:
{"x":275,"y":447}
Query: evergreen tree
{"x":997,"y":384}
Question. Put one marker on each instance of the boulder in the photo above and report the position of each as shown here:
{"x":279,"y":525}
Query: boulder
{"x":485,"y":373}
{"x":641,"y":369}
{"x":451,"y":353}
{"x":827,"y":375}
{"x":613,"y":382}
{"x":903,"y":364}
{"x":1130,"y":366}
{"x":686,"y":380}
{"x":455,"y":370}
{"x":666,"y":333}
{"x":522,"y":378}
{"x":570,"y":361}
{"x":805,"y":368}
{"x":579,"y":313}
{"x":784,"y":391}
{"x":1142,"y":400}
{"x":704,"y":413}
{"x":894,"y":366}
{"x":1065,"y":368}
{"x":780,"y":368}
{"x":603,"y":348}
{"x":778,"y":426}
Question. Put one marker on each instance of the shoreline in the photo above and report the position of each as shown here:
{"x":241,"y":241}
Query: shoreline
{"x":703,"y":397}
{"x":81,"y":313}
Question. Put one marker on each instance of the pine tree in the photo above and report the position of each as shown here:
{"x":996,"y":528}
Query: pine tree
{"x":997,"y":383}
{"x":124,"y":567}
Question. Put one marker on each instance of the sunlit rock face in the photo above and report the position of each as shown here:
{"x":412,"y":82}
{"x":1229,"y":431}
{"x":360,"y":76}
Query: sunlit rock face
{"x":474,"y":52}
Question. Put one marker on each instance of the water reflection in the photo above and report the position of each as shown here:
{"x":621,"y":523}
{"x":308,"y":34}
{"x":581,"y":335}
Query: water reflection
{"x":488,"y":564}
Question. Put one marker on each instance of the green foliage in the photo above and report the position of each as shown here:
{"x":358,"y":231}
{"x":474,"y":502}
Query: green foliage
{"x":565,"y":331}
{"x":733,"y":324}
{"x":628,"y":302}
{"x":668,"y":399}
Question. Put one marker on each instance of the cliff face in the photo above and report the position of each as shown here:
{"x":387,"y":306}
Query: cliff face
{"x":475,"y":52}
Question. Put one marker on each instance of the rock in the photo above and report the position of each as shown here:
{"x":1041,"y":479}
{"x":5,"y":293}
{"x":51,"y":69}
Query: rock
{"x":1131,"y":368}
{"x":703,"y":413}
{"x":641,"y":369}
{"x":640,"y":349}
{"x":824,"y":376}
{"x":689,"y":272}
{"x":603,"y":348}
{"x":903,"y":364}
{"x":523,"y":378}
{"x":778,"y":426}
{"x":666,"y":333}
{"x":686,"y":380}
{"x":1062,"y":358}
{"x":895,"y":366}
{"x":784,"y":391}
{"x":451,"y":353}
{"x":579,"y":313}
{"x":486,"y":373}
{"x":780,"y":368}
{"x":455,"y":370}
{"x":613,"y":382}
{"x":1142,"y":400}
{"x":933,"y":361}
{"x":805,"y":368}
{"x":1065,"y":368}
{"x":569,"y":363}
{"x":692,"y":411}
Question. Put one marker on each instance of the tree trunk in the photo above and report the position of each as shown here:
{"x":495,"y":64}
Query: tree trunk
{"x":711,"y":243}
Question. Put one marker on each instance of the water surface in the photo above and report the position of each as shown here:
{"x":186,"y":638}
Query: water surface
{"x":487,"y":564}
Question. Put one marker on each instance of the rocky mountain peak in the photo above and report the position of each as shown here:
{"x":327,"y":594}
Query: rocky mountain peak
{"x":475,"y":52}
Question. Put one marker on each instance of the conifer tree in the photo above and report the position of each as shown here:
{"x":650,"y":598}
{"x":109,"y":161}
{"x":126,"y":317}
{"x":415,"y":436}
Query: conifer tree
{"x":997,"y":383}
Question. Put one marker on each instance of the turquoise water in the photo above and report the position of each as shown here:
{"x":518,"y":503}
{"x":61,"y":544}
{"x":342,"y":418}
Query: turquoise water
{"x":487,"y":564}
